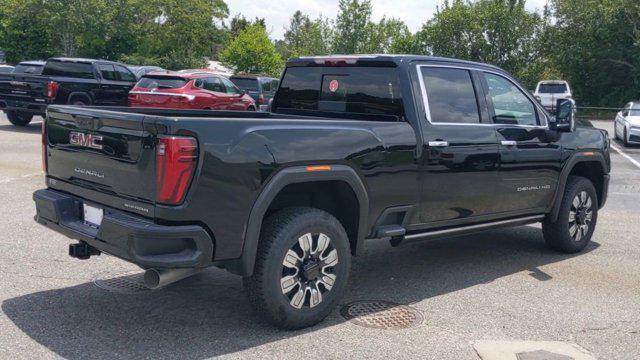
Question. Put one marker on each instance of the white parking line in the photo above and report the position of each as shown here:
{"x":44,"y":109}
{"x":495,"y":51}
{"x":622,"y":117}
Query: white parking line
{"x":619,"y":151}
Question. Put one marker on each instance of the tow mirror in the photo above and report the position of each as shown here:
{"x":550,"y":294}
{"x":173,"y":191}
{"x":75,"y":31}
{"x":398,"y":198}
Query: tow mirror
{"x":565,"y":115}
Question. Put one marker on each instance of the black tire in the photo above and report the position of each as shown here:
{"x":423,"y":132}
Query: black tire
{"x":624,"y":138}
{"x":18,"y":118}
{"x":561,"y":235}
{"x":281,"y":234}
{"x":78,"y":102}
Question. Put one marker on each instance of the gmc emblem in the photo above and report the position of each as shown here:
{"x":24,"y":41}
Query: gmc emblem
{"x":85,"y":140}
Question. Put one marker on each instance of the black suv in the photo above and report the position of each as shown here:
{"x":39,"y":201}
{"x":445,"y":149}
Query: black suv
{"x":260,"y":88}
{"x":64,"y":81}
{"x":377,"y":148}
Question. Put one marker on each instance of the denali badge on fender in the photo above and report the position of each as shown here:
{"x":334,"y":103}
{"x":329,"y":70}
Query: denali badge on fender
{"x":85,"y":140}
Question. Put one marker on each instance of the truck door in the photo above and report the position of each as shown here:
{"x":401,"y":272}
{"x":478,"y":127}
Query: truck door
{"x":462,"y":154}
{"x":108,"y":92}
{"x":530,"y":154}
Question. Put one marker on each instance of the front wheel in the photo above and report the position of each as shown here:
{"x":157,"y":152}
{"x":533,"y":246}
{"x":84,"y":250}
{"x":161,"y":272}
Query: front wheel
{"x":576,"y":222}
{"x":18,"y":118}
{"x":625,"y":142}
{"x":302,"y":268}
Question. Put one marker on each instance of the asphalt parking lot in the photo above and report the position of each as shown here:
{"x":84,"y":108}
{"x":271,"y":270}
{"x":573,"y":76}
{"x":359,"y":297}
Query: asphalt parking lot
{"x":502,"y":285}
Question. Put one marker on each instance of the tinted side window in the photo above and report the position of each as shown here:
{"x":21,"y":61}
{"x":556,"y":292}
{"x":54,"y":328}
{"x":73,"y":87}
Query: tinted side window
{"x":214,"y":84}
{"x":107,"y":72}
{"x":266,"y":85}
{"x":510,"y":104}
{"x":451,"y":95}
{"x":124,"y":74}
{"x":69,"y":69}
{"x":230,"y":87}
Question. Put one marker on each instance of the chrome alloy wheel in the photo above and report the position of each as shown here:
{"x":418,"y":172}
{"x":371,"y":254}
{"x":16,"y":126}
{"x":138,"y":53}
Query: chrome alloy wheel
{"x":308,"y":270}
{"x":580,"y":216}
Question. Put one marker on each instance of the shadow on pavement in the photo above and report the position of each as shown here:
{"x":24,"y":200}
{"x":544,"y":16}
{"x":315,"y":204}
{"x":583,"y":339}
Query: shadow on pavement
{"x":207,"y":315}
{"x":33,"y":127}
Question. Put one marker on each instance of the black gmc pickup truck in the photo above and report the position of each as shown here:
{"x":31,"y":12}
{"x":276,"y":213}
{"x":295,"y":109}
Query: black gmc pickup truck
{"x":377,"y":148}
{"x":64,"y":81}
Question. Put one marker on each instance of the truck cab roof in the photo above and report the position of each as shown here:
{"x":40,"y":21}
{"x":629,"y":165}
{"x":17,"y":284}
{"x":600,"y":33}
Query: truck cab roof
{"x":379,"y":60}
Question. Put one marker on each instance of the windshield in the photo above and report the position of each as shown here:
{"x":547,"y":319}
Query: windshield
{"x":552,"y":88}
{"x":246,"y":84}
{"x":348,"y":90}
{"x":634,"y":112}
{"x":28,"y":69}
{"x":149,"y":82}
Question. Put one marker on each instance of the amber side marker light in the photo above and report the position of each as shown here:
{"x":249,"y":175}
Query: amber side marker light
{"x":319,"y":168}
{"x":588,"y":153}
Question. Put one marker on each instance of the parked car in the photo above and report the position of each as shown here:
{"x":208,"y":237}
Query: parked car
{"x":627,"y":124}
{"x":355,"y":148}
{"x":178,"y":90}
{"x":30,"y":67}
{"x":64,"y":81}
{"x":140,"y":71}
{"x":548,"y":93}
{"x":260,"y":88}
{"x":6,"y":69}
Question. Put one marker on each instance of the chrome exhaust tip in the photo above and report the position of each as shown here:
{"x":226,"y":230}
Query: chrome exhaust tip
{"x":159,"y":278}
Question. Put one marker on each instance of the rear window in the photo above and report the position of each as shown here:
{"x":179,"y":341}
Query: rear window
{"x":69,"y":69}
{"x":246,"y":84}
{"x":149,"y":82}
{"x":356,"y":90}
{"x":552,"y":88}
{"x":28,"y":69}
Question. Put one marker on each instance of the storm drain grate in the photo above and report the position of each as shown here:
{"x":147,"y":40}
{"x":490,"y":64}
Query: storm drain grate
{"x":127,"y":283}
{"x":380,"y":314}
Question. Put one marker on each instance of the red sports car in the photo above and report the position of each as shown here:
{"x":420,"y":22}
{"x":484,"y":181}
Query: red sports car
{"x":202,"y":91}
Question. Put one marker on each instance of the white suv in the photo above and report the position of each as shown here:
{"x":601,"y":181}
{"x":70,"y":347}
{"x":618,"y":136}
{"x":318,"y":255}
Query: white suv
{"x":548,"y":92}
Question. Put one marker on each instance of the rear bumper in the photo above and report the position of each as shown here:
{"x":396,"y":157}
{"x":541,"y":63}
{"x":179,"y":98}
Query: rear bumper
{"x":126,"y":236}
{"x":35,"y":108}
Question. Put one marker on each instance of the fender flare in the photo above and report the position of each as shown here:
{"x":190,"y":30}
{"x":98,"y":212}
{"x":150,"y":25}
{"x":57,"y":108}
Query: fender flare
{"x":298,"y":174}
{"x":79,"y":94}
{"x":564,"y":176}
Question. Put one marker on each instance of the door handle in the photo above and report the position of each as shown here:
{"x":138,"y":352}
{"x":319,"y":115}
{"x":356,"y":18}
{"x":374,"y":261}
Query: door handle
{"x":509,"y":143}
{"x":438,"y":143}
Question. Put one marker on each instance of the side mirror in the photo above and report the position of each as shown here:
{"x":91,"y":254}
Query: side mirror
{"x":565,"y":115}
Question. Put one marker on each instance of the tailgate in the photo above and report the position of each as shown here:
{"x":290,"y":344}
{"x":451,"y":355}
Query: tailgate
{"x":105,"y":151}
{"x":31,"y":88}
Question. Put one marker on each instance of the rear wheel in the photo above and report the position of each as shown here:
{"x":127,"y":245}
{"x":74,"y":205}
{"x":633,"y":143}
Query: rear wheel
{"x":576,"y":222}
{"x":302,"y":268}
{"x":18,"y":118}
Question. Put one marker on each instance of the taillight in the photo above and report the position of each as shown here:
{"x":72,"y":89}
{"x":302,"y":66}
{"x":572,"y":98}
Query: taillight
{"x":44,"y":146}
{"x":176,"y":159}
{"x":52,"y":89}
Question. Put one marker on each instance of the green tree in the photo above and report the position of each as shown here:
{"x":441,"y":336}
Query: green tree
{"x":500,"y":32}
{"x":252,"y":52}
{"x":385,"y":36}
{"x":305,"y":37}
{"x":176,"y":34}
{"x":352,"y":25}
{"x":170,"y":33}
{"x":24,"y":30}
{"x":596,"y":46}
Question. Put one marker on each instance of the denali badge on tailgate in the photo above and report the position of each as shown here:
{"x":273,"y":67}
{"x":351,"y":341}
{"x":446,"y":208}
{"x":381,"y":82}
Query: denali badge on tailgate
{"x":85,"y":140}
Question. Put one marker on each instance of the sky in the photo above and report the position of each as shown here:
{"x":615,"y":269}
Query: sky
{"x":277,"y":13}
